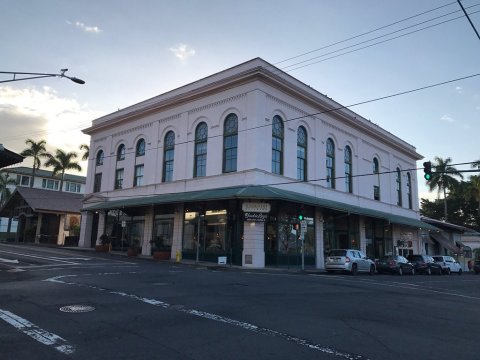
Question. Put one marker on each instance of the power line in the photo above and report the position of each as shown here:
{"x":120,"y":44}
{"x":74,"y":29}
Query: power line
{"x":468,"y":18}
{"x":363,"y":34}
{"x":371,"y":45}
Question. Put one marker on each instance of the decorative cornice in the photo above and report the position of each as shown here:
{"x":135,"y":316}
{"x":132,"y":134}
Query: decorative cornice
{"x":217,"y":103}
{"x":136,"y":128}
{"x":168,"y":118}
{"x":330,"y":125}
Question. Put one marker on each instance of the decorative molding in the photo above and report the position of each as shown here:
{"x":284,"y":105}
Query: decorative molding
{"x":375,"y":147}
{"x":136,"y":128}
{"x":285,"y":104}
{"x":343,"y":131}
{"x":100,"y":140}
{"x":217,"y":103}
{"x":168,"y":118}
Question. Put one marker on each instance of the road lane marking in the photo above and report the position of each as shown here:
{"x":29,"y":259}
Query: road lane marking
{"x":9,"y":261}
{"x":214,"y":317}
{"x":36,"y":333}
{"x":38,"y":257}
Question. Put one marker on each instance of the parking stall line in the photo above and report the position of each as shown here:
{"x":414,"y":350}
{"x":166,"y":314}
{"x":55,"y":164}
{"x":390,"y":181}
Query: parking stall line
{"x":36,"y":333}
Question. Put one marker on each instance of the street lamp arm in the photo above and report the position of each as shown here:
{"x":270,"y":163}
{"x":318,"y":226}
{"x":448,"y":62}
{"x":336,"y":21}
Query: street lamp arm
{"x":25,"y":76}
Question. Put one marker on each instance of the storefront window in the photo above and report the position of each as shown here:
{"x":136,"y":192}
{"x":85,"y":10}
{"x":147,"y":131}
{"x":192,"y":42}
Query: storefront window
{"x":162,"y":233}
{"x":211,"y":230}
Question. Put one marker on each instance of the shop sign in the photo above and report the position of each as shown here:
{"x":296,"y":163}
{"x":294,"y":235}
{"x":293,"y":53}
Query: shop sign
{"x":255,"y":216}
{"x":256,"y":207}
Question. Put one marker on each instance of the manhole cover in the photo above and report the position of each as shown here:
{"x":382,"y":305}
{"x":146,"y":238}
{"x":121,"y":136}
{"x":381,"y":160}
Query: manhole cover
{"x":77,"y":308}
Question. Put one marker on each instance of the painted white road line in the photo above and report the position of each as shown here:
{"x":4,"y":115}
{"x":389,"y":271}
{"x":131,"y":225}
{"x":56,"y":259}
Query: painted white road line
{"x":38,"y":257}
{"x":36,"y":333}
{"x":9,"y":261}
{"x":214,"y":317}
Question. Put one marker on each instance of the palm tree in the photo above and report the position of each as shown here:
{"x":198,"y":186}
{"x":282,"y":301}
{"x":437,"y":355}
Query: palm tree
{"x":473,"y":191}
{"x":4,"y":190}
{"x":86,"y":151}
{"x":443,"y":179}
{"x":36,"y":150}
{"x":61,"y":162}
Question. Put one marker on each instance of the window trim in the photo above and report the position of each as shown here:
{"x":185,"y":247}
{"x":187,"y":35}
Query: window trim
{"x":121,"y":154}
{"x":348,"y":164}
{"x":278,"y":135}
{"x":138,"y":179}
{"x":119,"y":182}
{"x":302,"y":147}
{"x":168,"y":148}
{"x":140,"y":151}
{"x":330,"y":169}
{"x":200,"y":159}
{"x":99,"y":158}
{"x":230,"y":135}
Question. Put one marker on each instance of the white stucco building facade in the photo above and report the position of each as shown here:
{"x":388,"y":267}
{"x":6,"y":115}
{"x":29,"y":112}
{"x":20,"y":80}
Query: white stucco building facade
{"x":225,"y":166}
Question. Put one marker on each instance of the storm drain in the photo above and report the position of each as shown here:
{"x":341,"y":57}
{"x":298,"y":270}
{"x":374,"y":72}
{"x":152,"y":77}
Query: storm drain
{"x":77,"y":308}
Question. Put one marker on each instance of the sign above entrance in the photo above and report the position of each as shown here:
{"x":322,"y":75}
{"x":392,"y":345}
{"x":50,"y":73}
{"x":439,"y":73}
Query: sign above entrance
{"x":255,"y":216}
{"x":256,"y":207}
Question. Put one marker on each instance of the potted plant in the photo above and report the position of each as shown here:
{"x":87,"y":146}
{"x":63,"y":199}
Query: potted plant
{"x":133,"y":248}
{"x":103,"y":244}
{"x":160,"y":250}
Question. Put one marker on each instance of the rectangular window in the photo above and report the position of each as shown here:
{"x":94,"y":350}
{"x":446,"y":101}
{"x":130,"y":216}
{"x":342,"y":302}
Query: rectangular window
{"x":230,"y":153}
{"x":168,"y":165}
{"x":97,"y":183}
{"x":200,"y":159}
{"x":301,"y":163}
{"x":119,"y":179}
{"x":376,"y":192}
{"x":25,"y":180}
{"x":138,"y":180}
{"x":50,"y":184}
{"x":72,"y":187}
{"x":277,"y":155}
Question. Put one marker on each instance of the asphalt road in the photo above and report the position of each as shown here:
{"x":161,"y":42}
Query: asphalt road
{"x":63,"y":304}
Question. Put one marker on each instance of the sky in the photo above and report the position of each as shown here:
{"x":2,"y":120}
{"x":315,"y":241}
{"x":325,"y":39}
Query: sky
{"x":129,"y":51}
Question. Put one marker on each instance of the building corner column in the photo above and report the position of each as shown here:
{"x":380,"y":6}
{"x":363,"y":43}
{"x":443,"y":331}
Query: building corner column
{"x":319,"y":256}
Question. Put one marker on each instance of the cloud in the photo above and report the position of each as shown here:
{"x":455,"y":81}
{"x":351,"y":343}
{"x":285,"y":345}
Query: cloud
{"x":459,"y":89}
{"x":447,"y":118}
{"x":182,"y":51}
{"x":43,"y":114}
{"x":86,"y":28}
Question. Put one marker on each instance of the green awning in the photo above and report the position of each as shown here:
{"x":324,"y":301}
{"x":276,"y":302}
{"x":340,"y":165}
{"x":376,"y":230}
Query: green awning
{"x":252,"y":192}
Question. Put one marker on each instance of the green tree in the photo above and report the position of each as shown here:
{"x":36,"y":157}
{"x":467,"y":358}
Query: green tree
{"x":4,"y":190}
{"x":443,"y":179}
{"x":61,"y":162}
{"x":86,"y":151}
{"x":36,"y":150}
{"x":473,"y":191}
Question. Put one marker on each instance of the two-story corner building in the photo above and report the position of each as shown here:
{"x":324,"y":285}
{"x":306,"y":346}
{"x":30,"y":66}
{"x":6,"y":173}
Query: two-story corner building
{"x":226,"y":166}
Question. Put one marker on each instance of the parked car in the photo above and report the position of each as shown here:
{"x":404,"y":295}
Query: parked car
{"x":449,"y":264}
{"x":425,"y":264}
{"x":395,"y":264}
{"x":476,"y":266}
{"x":349,"y":260}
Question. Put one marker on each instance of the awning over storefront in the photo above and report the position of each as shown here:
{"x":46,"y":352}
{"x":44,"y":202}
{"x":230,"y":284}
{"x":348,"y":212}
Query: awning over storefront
{"x":443,"y":241}
{"x":261,"y":192}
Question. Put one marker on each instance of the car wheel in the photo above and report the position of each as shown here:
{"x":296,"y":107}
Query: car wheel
{"x":460,"y":271}
{"x":428,"y":271}
{"x":372,"y":270}
{"x":448,"y":272}
{"x":400,"y":271}
{"x":354,"y":269}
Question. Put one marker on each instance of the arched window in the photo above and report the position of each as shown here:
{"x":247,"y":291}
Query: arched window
{"x":330,"y":164}
{"x":201,"y":136}
{"x":376,"y":181}
{"x":121,"y":152}
{"x":99,"y":158}
{"x":277,"y":145}
{"x":140,"y":148}
{"x":347,"y":156}
{"x":399,"y":187}
{"x":168,"y":156}
{"x":301,"y":154}
{"x":230,"y":143}
{"x":409,"y":191}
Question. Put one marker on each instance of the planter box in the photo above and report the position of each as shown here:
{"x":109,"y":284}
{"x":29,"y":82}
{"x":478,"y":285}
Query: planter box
{"x":162,"y":255}
{"x":102,"y":248}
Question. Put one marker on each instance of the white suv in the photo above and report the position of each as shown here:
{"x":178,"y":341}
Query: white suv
{"x":449,"y":265}
{"x":350,"y":260}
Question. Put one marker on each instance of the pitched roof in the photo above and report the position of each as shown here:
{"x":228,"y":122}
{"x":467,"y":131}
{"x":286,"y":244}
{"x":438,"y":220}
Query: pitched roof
{"x":41,"y":200}
{"x":8,"y":157}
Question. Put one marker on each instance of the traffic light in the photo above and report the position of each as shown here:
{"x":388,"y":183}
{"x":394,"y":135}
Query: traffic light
{"x":427,"y":169}
{"x":300,"y":217}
